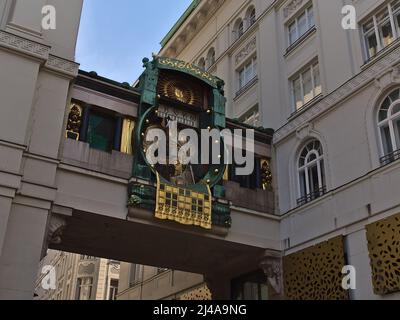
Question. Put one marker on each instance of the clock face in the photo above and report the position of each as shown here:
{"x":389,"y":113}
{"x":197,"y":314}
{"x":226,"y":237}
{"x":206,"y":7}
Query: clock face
{"x":177,"y":89}
{"x":183,"y":102}
{"x":179,"y":174}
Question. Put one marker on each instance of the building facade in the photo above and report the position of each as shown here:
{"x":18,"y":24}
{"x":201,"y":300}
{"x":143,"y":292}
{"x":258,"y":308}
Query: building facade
{"x":332,"y":96}
{"x":78,"y":277}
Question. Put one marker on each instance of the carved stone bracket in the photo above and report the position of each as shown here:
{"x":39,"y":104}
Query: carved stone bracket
{"x":292,"y":7}
{"x":271,"y":264}
{"x":246,"y":51}
{"x":56,"y":228}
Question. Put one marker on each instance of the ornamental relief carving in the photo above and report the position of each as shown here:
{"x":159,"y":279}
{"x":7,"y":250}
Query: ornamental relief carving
{"x":292,"y":7}
{"x":246,"y":51}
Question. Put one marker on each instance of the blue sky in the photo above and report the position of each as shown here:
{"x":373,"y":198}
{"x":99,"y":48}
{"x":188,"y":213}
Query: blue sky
{"x":115,"y":36}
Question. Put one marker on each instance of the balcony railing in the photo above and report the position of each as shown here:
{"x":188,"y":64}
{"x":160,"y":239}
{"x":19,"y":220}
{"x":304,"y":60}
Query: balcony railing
{"x":391,"y":157}
{"x":311,"y":196}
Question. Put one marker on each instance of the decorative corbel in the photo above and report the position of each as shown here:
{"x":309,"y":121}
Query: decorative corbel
{"x":271,"y":264}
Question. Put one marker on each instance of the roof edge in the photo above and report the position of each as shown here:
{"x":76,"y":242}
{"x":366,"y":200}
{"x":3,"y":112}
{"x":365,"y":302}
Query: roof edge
{"x":179,"y":23}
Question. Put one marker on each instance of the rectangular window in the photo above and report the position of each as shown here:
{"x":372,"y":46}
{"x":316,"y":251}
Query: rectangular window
{"x":84,"y":288}
{"x":301,"y":25}
{"x":306,"y":86}
{"x":113,"y":292}
{"x":247,"y":74}
{"x":136,"y":274}
{"x":101,"y":130}
{"x":382,"y":29}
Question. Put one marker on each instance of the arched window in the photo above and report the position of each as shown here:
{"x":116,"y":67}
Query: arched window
{"x":202,"y":64}
{"x":238,"y":29}
{"x":311,"y":171}
{"x":210,"y":57}
{"x":251,"y":16}
{"x":389,"y":127}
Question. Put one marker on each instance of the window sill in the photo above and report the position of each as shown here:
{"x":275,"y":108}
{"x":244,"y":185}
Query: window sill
{"x":390,"y":158}
{"x":299,"y":41}
{"x":381,"y":53}
{"x":246,"y":88}
{"x":307,"y":106}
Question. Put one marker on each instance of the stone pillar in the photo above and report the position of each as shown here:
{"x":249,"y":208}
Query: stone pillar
{"x":219,"y":286}
{"x":22,"y":251}
{"x":271,"y":264}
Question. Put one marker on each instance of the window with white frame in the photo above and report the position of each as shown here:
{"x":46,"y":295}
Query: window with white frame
{"x":306,"y":85}
{"x":247,"y":74}
{"x":381,"y":29}
{"x":311,"y":172}
{"x":84,"y":288}
{"x":389,"y":127}
{"x":113,"y":290}
{"x":251,"y":117}
{"x":238,"y":29}
{"x":301,"y":24}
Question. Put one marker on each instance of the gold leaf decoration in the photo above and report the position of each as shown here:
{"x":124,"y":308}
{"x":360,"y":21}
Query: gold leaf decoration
{"x":384,"y":252}
{"x":316,"y":273}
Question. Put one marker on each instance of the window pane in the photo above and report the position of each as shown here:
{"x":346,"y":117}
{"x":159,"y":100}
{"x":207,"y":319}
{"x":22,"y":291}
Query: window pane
{"x":101,"y":132}
{"x":371,"y":44}
{"x":292,"y":33}
{"x":322,"y":165}
{"x":241,"y":79}
{"x":298,"y":97}
{"x":386,"y":34}
{"x":249,"y":73}
{"x":313,"y":179}
{"x":397,"y":133}
{"x":396,"y":110}
{"x":311,"y":21}
{"x":307,"y":86}
{"x":302,"y":24}
{"x":386,"y":140}
{"x":369,"y":26}
{"x":303,"y":188}
{"x":395,"y":95}
{"x":317,"y":81}
{"x":383,"y":112}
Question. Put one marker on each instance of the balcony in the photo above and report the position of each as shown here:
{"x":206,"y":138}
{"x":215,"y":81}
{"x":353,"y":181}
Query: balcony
{"x":79,"y":154}
{"x":391,"y":157}
{"x":311,"y":196}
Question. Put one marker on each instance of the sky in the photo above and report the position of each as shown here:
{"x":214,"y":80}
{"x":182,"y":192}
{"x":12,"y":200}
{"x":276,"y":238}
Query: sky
{"x":115,"y":36}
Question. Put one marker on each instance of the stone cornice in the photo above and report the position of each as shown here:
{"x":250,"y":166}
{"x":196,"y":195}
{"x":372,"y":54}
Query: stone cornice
{"x":367,"y":75}
{"x":193,"y":24}
{"x":63,"y":66}
{"x":24,"y":46}
{"x":38,"y":51}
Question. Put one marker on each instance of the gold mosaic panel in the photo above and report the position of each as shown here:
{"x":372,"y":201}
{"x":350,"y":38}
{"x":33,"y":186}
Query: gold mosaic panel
{"x":199,"y":294}
{"x":384,"y":252}
{"x":316,"y":273}
{"x":183,"y":206}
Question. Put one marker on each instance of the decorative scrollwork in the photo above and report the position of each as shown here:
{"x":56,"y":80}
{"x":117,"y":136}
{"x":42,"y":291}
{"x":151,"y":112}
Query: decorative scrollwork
{"x":384,"y":251}
{"x":315,"y":273}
